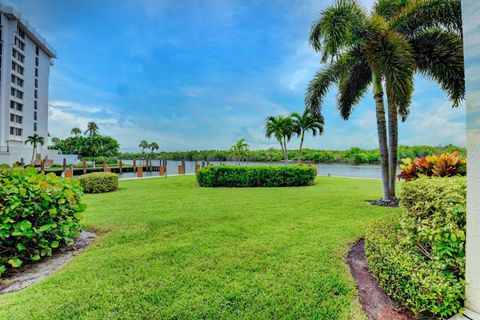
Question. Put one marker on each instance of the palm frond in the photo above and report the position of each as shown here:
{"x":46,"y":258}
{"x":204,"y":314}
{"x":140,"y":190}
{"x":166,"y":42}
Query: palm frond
{"x":318,"y":87}
{"x":352,"y":86}
{"x":388,"y":8}
{"x":335,"y":29}
{"x":389,"y":55}
{"x":439,"y":56}
{"x":423,"y":14}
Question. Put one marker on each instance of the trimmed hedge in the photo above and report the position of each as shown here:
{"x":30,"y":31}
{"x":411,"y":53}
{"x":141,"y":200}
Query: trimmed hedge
{"x":419,"y":257}
{"x":258,"y":176}
{"x":38,"y":213}
{"x":99,"y":182}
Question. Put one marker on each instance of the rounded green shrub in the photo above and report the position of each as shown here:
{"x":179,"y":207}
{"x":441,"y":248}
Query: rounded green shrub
{"x":255,"y":176}
{"x":38,"y":213}
{"x":419,"y":257}
{"x":99,"y":182}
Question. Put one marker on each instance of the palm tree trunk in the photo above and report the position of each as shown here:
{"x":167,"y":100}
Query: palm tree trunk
{"x":382,"y":134}
{"x":283,"y":149}
{"x":286,"y":151}
{"x":392,"y":142}
{"x":33,"y":153}
{"x":300,"y":148}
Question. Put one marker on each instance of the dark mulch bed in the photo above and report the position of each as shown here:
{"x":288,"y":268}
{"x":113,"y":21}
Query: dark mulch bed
{"x":373,"y":299}
{"x":32,"y":273}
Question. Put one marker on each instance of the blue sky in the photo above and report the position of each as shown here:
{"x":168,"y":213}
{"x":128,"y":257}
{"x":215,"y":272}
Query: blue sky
{"x":202,"y":74}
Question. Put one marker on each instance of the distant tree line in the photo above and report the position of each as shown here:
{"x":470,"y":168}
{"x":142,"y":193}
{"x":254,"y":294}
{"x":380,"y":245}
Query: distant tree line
{"x":352,"y":155}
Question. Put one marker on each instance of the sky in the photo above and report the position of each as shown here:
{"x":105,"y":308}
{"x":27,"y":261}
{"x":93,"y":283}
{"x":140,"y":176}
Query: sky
{"x":194,"y":75}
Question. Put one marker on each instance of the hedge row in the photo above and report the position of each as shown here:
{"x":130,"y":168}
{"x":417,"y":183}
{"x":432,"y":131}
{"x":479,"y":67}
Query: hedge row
{"x":419,"y":258}
{"x":99,"y":182}
{"x":259,"y":176}
{"x":38,"y":213}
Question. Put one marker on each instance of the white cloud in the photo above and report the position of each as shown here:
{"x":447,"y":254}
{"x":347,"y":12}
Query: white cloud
{"x":434,"y":125}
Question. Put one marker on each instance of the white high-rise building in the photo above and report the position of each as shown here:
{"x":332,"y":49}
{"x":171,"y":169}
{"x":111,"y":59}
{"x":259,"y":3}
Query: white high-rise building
{"x":25,"y":60}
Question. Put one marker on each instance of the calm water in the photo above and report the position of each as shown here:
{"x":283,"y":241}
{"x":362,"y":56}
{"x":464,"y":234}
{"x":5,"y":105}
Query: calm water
{"x":342,"y":170}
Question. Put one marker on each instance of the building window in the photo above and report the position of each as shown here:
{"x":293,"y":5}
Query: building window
{"x":12,"y":104}
{"x":19,"y":43}
{"x":12,"y":91}
{"x":37,"y":50}
{"x":19,"y":94}
{"x":36,"y":72}
{"x":36,"y":61}
{"x":36,"y":94}
{"x":21,"y":33}
{"x":17,"y":55}
{"x":16,"y":118}
{"x":36,"y":83}
{"x":35,"y":116}
{"x":15,"y":131}
{"x":35,"y":104}
{"x":17,"y":67}
{"x":34,"y":126}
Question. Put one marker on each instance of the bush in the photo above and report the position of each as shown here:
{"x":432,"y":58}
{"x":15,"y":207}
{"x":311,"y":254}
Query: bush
{"x":444,"y":165}
{"x":419,"y":258}
{"x":261,"y":176}
{"x":38,"y":213}
{"x":99,"y":182}
{"x":310,"y":165}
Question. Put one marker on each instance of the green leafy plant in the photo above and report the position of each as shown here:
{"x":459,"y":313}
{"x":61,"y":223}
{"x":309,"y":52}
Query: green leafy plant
{"x":261,"y":176}
{"x":99,"y":182}
{"x":444,"y":165}
{"x":38,"y":214}
{"x":419,"y":257}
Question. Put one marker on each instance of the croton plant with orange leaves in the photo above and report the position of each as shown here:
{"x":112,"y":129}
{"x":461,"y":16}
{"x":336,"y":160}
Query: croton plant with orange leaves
{"x":444,"y":165}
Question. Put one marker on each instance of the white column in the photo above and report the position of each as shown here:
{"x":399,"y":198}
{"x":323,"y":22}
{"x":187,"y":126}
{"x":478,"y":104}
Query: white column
{"x":471,"y":27}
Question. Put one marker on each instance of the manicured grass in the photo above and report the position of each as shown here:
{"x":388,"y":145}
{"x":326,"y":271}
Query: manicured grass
{"x":171,"y":250}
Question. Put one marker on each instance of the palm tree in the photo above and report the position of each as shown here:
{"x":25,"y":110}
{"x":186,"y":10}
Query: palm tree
{"x":34,"y":141}
{"x":240,"y":149}
{"x":282,"y":128}
{"x":76,"y":132}
{"x":307,"y":122}
{"x":153,"y":146}
{"x":144,"y":145}
{"x":56,"y":140}
{"x":92,"y":129}
{"x":433,"y":28}
{"x":363,"y":50}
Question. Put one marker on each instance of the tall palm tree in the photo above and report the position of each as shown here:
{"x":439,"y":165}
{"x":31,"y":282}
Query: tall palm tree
{"x":363,"y":50}
{"x":76,"y":132}
{"x":307,"y":122}
{"x":144,"y":145}
{"x":92,"y":129}
{"x":282,"y":128}
{"x":240,"y":149}
{"x":34,"y":141}
{"x":153,"y":146}
{"x":433,"y":28}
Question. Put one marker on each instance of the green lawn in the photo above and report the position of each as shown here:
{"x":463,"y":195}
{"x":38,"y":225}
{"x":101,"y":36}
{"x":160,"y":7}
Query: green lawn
{"x":171,"y":250}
